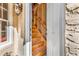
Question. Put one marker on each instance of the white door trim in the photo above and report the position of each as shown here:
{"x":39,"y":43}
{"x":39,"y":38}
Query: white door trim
{"x":28,"y":27}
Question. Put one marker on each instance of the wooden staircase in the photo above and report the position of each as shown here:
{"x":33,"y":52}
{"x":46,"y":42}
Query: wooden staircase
{"x":38,"y":32}
{"x":38,"y":43}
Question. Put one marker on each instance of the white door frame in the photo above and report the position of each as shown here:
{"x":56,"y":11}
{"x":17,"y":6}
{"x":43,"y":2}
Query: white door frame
{"x":28,"y":27}
{"x":55,"y":29}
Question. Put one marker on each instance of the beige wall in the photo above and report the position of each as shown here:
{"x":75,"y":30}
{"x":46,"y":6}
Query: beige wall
{"x":15,"y":19}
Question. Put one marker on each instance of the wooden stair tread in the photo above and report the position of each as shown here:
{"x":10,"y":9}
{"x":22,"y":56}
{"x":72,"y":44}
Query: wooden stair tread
{"x":34,"y":26}
{"x":38,"y":45}
{"x":36,"y":42}
{"x":34,"y":30}
{"x":36,"y":35}
{"x":42,"y":53}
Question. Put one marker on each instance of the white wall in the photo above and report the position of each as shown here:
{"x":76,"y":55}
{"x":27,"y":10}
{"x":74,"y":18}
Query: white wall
{"x":55,"y":29}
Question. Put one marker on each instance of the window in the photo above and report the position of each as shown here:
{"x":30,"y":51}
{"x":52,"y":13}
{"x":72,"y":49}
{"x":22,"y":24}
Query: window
{"x":3,"y":21}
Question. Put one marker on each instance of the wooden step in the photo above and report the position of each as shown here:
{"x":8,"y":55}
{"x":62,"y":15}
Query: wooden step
{"x":35,"y":30}
{"x":36,"y":40}
{"x":40,"y":54}
{"x":41,"y":48}
{"x":38,"y":50}
{"x":34,"y":27}
{"x":36,"y":35}
{"x":38,"y":45}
